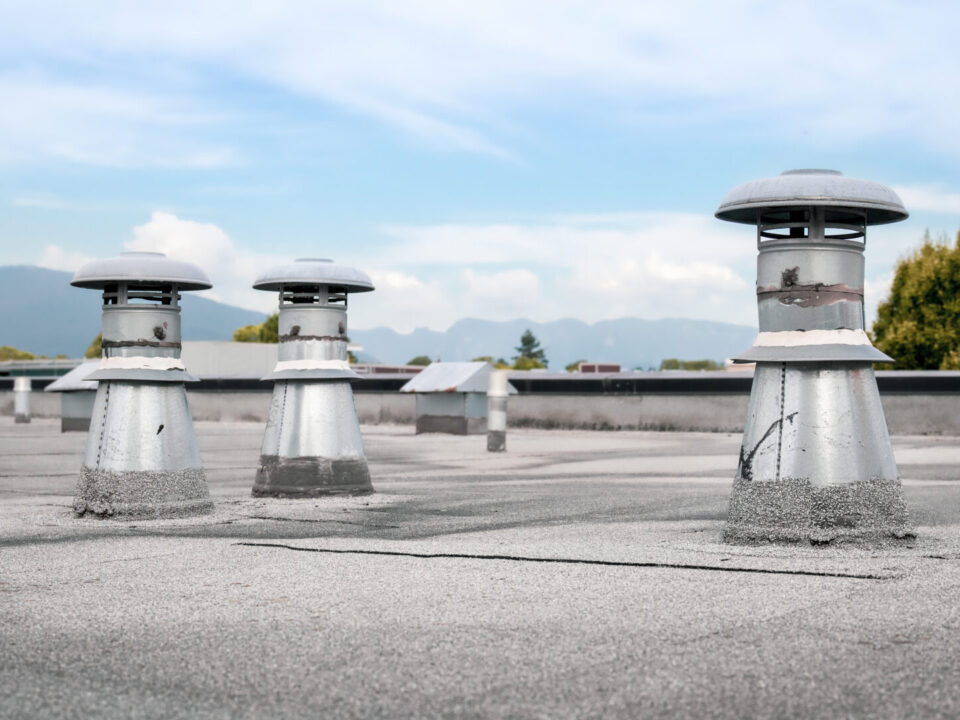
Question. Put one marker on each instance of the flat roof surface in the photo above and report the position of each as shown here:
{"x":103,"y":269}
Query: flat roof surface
{"x":579,"y":574}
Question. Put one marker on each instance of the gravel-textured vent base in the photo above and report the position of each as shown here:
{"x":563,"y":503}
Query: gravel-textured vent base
{"x":299,"y":477}
{"x":794,"y":510}
{"x":142,"y":494}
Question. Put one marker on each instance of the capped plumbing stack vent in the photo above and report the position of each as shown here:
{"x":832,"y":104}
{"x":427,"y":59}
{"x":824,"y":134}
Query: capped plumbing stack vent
{"x":497,"y":394}
{"x":816,"y":462}
{"x":312,"y":445}
{"x":142,"y":458}
{"x":21,"y":399}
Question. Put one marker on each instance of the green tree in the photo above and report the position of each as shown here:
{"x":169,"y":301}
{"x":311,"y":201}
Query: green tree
{"x":529,"y":349}
{"x":574,"y":366}
{"x":918,"y":325}
{"x":524,"y":363}
{"x":266,"y":332}
{"x":421,"y":360}
{"x":95,"y":350}
{"x":499,"y":363}
{"x":677,"y":364}
{"x":11,"y":353}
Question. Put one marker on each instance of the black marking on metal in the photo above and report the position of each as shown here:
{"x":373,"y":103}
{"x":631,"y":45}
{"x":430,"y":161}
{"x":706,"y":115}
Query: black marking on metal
{"x":159,"y":429}
{"x":568,"y":561}
{"x":283,"y":407}
{"x":103,"y":423}
{"x":292,"y":337}
{"x":783,"y":387}
{"x":139,"y":343}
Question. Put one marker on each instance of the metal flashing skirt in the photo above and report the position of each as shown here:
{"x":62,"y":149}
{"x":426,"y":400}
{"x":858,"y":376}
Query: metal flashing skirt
{"x":142,"y":459}
{"x":816,"y":462}
{"x":312,"y":445}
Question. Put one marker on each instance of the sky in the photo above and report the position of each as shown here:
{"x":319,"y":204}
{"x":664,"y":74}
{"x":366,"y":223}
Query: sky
{"x":541,"y":159}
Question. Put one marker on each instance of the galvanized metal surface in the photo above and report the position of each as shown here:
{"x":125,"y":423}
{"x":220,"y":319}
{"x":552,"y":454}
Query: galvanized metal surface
{"x":150,"y":268}
{"x":141,"y":426}
{"x":813,"y":354}
{"x":313,"y":344}
{"x":448,"y":377}
{"x":312,"y":444}
{"x":314,"y":271}
{"x":75,"y":380}
{"x":801,"y":188}
{"x":142,"y":457}
{"x":810,"y":285}
{"x":816,"y":462}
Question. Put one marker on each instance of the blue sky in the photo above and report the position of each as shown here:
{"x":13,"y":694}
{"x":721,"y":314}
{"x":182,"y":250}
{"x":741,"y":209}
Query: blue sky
{"x":495,"y":159}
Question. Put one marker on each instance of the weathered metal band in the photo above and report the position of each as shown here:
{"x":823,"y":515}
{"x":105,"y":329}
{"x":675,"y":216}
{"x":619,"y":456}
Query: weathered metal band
{"x":811,"y":298}
{"x":139,"y":343}
{"x":298,"y":337}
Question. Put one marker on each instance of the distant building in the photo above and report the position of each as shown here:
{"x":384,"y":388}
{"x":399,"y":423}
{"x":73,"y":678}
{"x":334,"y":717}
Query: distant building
{"x":452,"y":397}
{"x":593,"y":367}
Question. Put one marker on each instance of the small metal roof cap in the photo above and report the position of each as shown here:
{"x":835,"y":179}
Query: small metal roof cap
{"x":798,"y":188}
{"x":141,"y":267}
{"x":314,"y":271}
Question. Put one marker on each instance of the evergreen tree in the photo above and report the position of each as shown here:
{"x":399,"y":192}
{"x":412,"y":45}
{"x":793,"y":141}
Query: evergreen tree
{"x":529,"y":350}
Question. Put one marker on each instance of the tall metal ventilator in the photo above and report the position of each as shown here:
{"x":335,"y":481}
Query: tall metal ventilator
{"x":142,"y":458}
{"x":312,"y":444}
{"x":816,"y":462}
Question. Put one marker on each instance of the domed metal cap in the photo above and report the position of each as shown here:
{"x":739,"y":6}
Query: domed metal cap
{"x":315,"y":271}
{"x":141,"y":267}
{"x":805,"y":188}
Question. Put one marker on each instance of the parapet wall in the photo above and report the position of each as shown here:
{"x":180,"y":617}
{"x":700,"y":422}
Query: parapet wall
{"x":920,"y":403}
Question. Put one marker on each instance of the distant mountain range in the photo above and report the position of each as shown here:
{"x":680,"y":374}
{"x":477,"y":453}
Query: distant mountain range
{"x":632,"y":342}
{"x":43,"y":314}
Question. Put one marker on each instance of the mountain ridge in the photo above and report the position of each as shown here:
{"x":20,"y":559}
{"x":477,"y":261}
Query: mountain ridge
{"x":43,"y":314}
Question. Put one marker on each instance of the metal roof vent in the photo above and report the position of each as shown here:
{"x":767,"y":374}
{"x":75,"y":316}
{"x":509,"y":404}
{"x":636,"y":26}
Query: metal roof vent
{"x":142,"y":458}
{"x":816,"y":461}
{"x":312,"y":444}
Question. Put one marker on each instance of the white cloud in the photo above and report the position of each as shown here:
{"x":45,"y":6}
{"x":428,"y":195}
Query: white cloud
{"x":929,"y":198}
{"x":231,"y":268}
{"x":455,"y":74}
{"x":48,"y":118}
{"x":56,"y":258}
{"x":591,"y":267}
